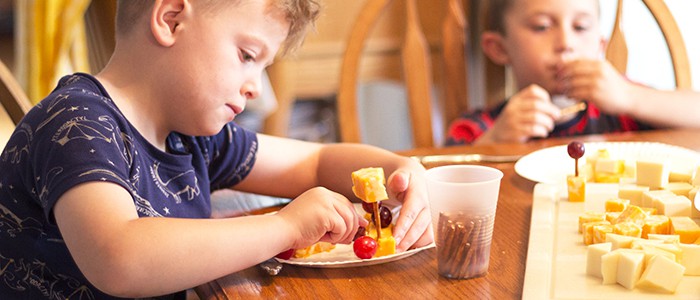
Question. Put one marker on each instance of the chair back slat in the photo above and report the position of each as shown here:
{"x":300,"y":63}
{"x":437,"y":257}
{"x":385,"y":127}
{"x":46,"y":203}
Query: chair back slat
{"x":12,"y":96}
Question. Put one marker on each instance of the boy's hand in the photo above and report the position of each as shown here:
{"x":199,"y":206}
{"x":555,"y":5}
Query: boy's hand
{"x":413,"y":227}
{"x":321,"y":215}
{"x":596,"y":81}
{"x":529,"y":113}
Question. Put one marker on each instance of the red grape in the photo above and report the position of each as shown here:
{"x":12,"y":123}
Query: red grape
{"x":286,"y":254}
{"x":385,"y":216}
{"x":576,"y":150}
{"x":365,"y":247}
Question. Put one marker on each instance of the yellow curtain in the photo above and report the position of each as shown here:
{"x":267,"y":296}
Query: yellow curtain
{"x":51,"y":42}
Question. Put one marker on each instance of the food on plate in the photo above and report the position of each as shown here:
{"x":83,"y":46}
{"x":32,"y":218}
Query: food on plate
{"x":576,"y":183}
{"x":593,"y":258}
{"x":686,"y":228}
{"x":368,"y":185}
{"x":652,"y":174}
{"x":661,"y":274}
{"x":364,"y":247}
{"x":316,"y":248}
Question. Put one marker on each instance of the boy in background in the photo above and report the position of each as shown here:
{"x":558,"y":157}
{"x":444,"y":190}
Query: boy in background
{"x":105,"y":184}
{"x":553,"y":49}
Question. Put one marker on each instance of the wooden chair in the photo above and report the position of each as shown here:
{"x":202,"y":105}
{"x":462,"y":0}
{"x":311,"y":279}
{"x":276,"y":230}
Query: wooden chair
{"x":617,"y":50}
{"x":417,"y":69}
{"x":12,"y":96}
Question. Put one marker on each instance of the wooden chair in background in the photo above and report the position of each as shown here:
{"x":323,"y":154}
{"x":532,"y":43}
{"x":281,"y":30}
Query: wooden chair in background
{"x":617,"y":50}
{"x":417,"y":70}
{"x":12,"y":97}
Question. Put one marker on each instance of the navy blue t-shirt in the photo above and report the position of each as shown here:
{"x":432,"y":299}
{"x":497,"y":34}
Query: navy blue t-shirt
{"x":78,"y":135}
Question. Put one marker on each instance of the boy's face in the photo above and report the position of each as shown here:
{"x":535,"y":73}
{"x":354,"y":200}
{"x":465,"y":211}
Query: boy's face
{"x":219,"y":59}
{"x":541,"y":34}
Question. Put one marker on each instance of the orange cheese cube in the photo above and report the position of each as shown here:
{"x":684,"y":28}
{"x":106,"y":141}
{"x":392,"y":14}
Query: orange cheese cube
{"x":314,"y":249}
{"x":616,"y":204}
{"x":656,"y":224}
{"x":576,"y":187}
{"x":628,"y":229}
{"x":368,"y":184}
{"x":600,"y":231}
{"x":632,"y":214}
{"x":611,"y":216}
{"x":589,"y":232}
{"x":589,"y":216}
{"x":686,"y":228}
{"x":386,"y":244}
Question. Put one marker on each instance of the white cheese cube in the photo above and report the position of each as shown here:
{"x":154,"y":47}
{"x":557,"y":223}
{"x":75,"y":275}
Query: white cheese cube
{"x":619,"y":241}
{"x":632,"y":192}
{"x":667,"y":238}
{"x":593,"y":258}
{"x":629,"y":268}
{"x":691,"y":259}
{"x":649,"y":197}
{"x":676,"y":206}
{"x":661,"y":274}
{"x":679,"y":188}
{"x":652,"y":174}
{"x":607,"y":165}
{"x":678,"y":176}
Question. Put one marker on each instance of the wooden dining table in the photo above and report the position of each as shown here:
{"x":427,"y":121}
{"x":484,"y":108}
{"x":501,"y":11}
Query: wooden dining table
{"x":415,"y":276}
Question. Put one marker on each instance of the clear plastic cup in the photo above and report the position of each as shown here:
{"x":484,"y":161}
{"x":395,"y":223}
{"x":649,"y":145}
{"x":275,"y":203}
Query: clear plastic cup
{"x":463,"y":201}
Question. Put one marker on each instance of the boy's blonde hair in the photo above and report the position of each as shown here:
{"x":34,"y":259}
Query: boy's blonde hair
{"x":301,"y":15}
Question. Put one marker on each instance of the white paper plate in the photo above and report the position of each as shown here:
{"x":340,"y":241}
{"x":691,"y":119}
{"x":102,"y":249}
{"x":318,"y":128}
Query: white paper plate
{"x":551,"y":165}
{"x":343,"y":256}
{"x":556,"y":255}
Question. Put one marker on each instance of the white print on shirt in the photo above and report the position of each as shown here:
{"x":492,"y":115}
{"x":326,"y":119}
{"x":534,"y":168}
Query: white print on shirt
{"x":21,"y":276}
{"x":188,"y":178}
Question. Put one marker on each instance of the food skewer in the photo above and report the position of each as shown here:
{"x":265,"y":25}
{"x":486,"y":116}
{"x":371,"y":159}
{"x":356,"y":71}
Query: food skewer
{"x":377,"y":219}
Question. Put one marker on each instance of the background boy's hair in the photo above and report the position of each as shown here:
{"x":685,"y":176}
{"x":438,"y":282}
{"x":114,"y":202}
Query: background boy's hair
{"x":301,"y":15}
{"x":495,"y":14}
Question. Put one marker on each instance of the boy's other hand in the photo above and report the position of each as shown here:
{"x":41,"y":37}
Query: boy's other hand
{"x":529,"y":113}
{"x":321,"y":215}
{"x":596,"y":81}
{"x":413,"y":227}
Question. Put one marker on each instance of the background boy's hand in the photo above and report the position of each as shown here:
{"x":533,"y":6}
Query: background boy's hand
{"x":413,"y":227}
{"x":321,"y":215}
{"x":596,"y":81}
{"x":529,"y":113}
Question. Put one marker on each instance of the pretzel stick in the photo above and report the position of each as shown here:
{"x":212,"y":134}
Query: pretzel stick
{"x":573,"y":109}
{"x":377,"y":219}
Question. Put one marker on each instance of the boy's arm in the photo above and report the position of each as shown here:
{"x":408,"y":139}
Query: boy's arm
{"x":598,"y":81}
{"x":127,"y":256}
{"x":287,"y":167}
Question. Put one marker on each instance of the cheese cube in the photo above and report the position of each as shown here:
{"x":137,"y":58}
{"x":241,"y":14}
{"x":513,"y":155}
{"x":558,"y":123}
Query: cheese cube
{"x":593,"y":258}
{"x":652,"y":174}
{"x":628,"y":229}
{"x":633,"y":214}
{"x":650,"y":251}
{"x":632,"y":192}
{"x":690,"y":259}
{"x":616,"y":205}
{"x":607,"y":165}
{"x":629,"y":268}
{"x":630,"y":169}
{"x":677,"y":176}
{"x":649,"y":197}
{"x":696,"y":176}
{"x":589,"y":233}
{"x":611,"y":216}
{"x":658,"y":224}
{"x":619,"y":241}
{"x":589,"y":216}
{"x":674,"y":249}
{"x":368,"y":184}
{"x":677,"y":206}
{"x":600,"y":231}
{"x":693,"y":196}
{"x":608,"y":267}
{"x":605,"y":177}
{"x":679,"y":188}
{"x":386,"y":245}
{"x":661,"y":274}
{"x":638,"y":244}
{"x":686,"y":228}
{"x":576,"y":188}
{"x":667,"y":238}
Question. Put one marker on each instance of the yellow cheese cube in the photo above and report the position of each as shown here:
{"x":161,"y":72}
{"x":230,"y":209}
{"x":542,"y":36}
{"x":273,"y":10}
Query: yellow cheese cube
{"x":686,"y":228}
{"x":599,"y":232}
{"x":610,"y":166}
{"x":632,"y":214}
{"x":650,"y":211}
{"x":576,"y":187}
{"x":656,"y":224}
{"x":677,"y":176}
{"x":632,"y":192}
{"x":605,"y":177}
{"x":616,"y":205}
{"x":652,"y":174}
{"x":313,"y":249}
{"x":589,"y":232}
{"x":386,"y":245}
{"x":628,"y":229}
{"x":696,"y":177}
{"x":661,"y":274}
{"x":368,"y":184}
{"x":611,"y":216}
{"x":589,"y":216}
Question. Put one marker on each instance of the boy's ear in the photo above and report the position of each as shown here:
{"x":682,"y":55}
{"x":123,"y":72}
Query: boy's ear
{"x":492,"y":45}
{"x":166,"y":19}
